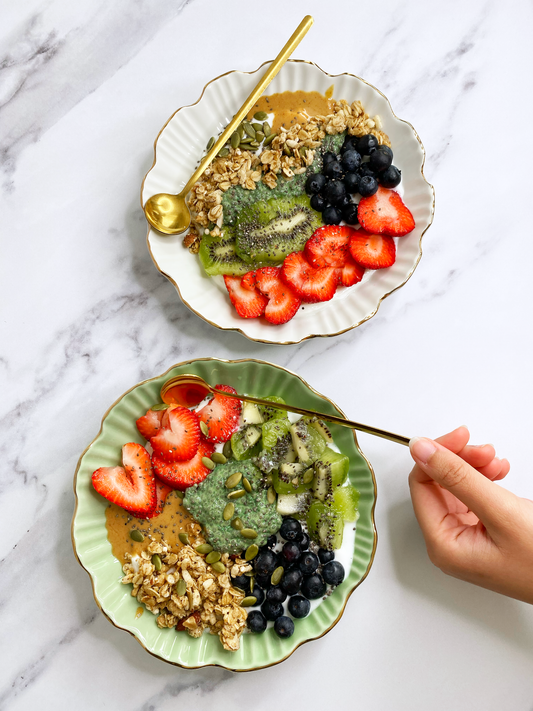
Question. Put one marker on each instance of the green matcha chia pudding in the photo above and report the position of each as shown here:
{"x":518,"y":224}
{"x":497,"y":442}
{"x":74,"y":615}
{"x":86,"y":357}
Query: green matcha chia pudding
{"x":208,"y":500}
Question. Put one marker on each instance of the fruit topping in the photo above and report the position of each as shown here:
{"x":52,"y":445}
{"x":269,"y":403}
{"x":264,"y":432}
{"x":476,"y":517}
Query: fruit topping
{"x":217,"y":254}
{"x":276,"y":594}
{"x":385,"y":214}
{"x":309,"y":284}
{"x":351,"y":160}
{"x":131,"y":486}
{"x":149,"y":424}
{"x":256,"y":621}
{"x":328,"y":246}
{"x":325,"y":525}
{"x":368,"y":185}
{"x":381,"y":159}
{"x":331,"y":215}
{"x":162,"y":490}
{"x":351,"y":273}
{"x":284,"y":627}
{"x":181,"y":475}
{"x":282,"y":301}
{"x":290,"y":529}
{"x":291,"y":551}
{"x":265,"y":562}
{"x":325,"y":556}
{"x":178,"y":442}
{"x":391,"y":177}
{"x":249,"y":303}
{"x":314,"y":184}
{"x":299,"y":606}
{"x":372,"y":251}
{"x":367,"y":144}
{"x":272,"y":610}
{"x":291,"y":581}
{"x":308,"y":563}
{"x":249,"y":281}
{"x":313,"y":587}
{"x":221,"y":415}
{"x":333,"y":573}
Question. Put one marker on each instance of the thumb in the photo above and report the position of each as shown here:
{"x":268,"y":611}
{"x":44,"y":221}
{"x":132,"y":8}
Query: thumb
{"x":483,"y":497}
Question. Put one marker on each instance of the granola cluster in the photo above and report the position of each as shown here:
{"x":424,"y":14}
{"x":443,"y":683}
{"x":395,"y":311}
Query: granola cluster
{"x":289,"y":154}
{"x":209,"y":601}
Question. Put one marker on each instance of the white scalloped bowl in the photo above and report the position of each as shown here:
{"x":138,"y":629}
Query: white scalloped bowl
{"x":182,"y":142}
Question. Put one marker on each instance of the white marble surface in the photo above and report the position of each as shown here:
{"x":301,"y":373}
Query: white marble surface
{"x":84,"y":89}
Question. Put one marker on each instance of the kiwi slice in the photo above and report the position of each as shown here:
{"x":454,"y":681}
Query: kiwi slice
{"x":289,"y":479}
{"x":325,"y":525}
{"x":331,"y":471}
{"x":218,"y":256}
{"x":245,"y":442}
{"x":268,"y":231}
{"x":346,"y":500}
{"x":308,"y":443}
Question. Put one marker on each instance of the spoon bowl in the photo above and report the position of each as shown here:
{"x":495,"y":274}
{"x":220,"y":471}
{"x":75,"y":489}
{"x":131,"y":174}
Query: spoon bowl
{"x":168,"y":213}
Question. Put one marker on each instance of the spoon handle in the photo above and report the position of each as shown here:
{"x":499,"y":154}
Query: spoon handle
{"x":399,"y":439}
{"x":270,"y":73}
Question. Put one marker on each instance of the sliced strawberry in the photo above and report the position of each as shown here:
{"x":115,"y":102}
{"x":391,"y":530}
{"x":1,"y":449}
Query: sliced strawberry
{"x":178,"y":441}
{"x":162,"y":490}
{"x":132,"y":486}
{"x":149,"y":424}
{"x":181,"y":475}
{"x":221,"y":415}
{"x":328,"y":246}
{"x":249,"y":303}
{"x":309,"y":284}
{"x":384,"y":213}
{"x":282,"y":301}
{"x":351,"y":273}
{"x":372,"y":251}
{"x":249,"y":281}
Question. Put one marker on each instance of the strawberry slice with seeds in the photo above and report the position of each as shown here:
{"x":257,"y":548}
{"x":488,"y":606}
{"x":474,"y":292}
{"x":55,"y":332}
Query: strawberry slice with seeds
{"x":149,"y":424}
{"x":248,"y":302}
{"x":351,"y":273}
{"x":162,"y":490}
{"x":328,"y":246}
{"x":282,"y":301}
{"x":384,"y":213}
{"x":178,"y":441}
{"x":131,"y":486}
{"x":181,"y":475}
{"x":309,"y":284}
{"x":249,"y":281}
{"x":372,"y":251}
{"x":221,"y":415}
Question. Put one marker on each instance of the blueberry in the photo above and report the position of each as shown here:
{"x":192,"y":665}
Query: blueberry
{"x":334,"y":170}
{"x":272,"y":610}
{"x":299,"y":606}
{"x":335,"y":191}
{"x":351,"y":182}
{"x":308,"y":563}
{"x":349,"y":214}
{"x":325,"y":556}
{"x":265,"y":562}
{"x":331,"y":216}
{"x":387,"y":149}
{"x":366,"y":169}
{"x":304,"y":541}
{"x":314,"y":183}
{"x":291,"y":551}
{"x":318,"y":203}
{"x":290,"y":529}
{"x":259,"y":594}
{"x":256,"y":621}
{"x":368,"y":186}
{"x":346,"y":200}
{"x":276,"y":594}
{"x":284,"y":627}
{"x":367,"y":144}
{"x":264,"y":581}
{"x":351,"y":160}
{"x":380,"y":160}
{"x":327,"y":157}
{"x":313,"y":587}
{"x":291,"y":581}
{"x":271,"y":541}
{"x":333,"y":573}
{"x":391,"y":177}
{"x":350,"y":143}
{"x":242,"y":582}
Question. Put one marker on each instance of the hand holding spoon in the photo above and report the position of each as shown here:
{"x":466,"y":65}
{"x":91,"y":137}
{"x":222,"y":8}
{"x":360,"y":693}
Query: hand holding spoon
{"x":189,"y":390}
{"x":170,"y":214}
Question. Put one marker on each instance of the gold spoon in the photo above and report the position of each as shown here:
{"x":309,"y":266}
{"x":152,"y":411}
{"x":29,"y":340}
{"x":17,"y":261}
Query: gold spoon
{"x":170,"y":214}
{"x":189,"y":390}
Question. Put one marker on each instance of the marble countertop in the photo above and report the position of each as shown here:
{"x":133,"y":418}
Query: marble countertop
{"x":84,"y":89}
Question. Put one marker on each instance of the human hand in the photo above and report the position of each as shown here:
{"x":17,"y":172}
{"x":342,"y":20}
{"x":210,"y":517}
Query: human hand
{"x":474,"y":529}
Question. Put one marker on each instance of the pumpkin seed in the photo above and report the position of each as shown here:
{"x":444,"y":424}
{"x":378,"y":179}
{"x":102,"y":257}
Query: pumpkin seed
{"x":180,"y":494}
{"x":270,"y":138}
{"x":210,"y":143}
{"x":156,"y":562}
{"x":219,"y":458}
{"x":247,"y":485}
{"x":271,"y":495}
{"x":238,"y":494}
{"x":159,"y":406}
{"x":254,"y":145}
{"x":246,"y":147}
{"x":223,"y":152}
{"x":249,"y":573}
{"x":249,"y":601}
{"x":209,"y":463}
{"x":240,"y":130}
{"x":259,"y":135}
{"x":204,"y":428}
{"x":277,"y":575}
{"x":260,"y":115}
{"x":233,"y":480}
{"x":235,"y":139}
{"x":257,"y":127}
{"x":248,"y":129}
{"x":252,"y":584}
{"x":213,"y":557}
{"x":219,"y":567}
{"x":286,"y":150}
{"x":181,"y":587}
{"x":184,"y":538}
{"x":227,"y":451}
{"x":303,"y":151}
{"x":251,"y":552}
{"x":248,"y":533}
{"x":136,"y":535}
{"x":229,"y":510}
{"x":204,"y":548}
{"x":308,"y":475}
{"x":246,"y":139}
{"x":266,"y":129}
{"x":237,"y":524}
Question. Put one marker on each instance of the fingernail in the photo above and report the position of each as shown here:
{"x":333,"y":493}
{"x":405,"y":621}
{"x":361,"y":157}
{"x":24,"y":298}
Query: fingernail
{"x":422,"y":449}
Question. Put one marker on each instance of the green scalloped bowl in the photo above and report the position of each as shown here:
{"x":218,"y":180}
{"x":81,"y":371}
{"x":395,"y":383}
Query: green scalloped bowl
{"x":93,"y":550}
